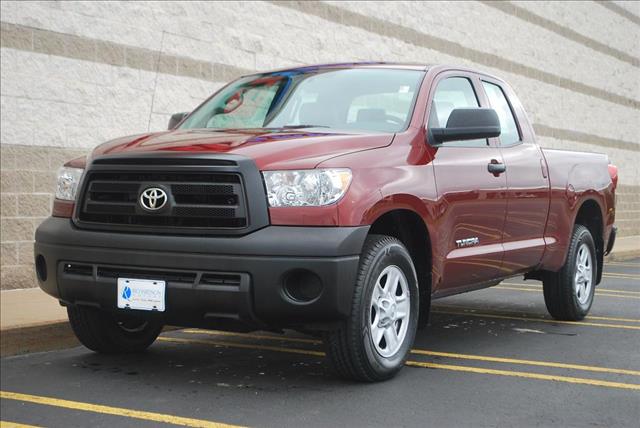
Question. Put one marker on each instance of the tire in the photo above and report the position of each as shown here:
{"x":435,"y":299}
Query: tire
{"x":352,"y":349}
{"x":108,"y":333}
{"x":569,"y":292}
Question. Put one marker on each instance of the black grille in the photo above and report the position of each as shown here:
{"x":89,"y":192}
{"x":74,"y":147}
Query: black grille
{"x":220,"y":279}
{"x":78,"y":269}
{"x":202,"y":200}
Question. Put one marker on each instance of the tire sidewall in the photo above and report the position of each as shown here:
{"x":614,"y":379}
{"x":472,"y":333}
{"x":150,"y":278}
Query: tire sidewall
{"x":391,"y":254}
{"x":584,"y":237}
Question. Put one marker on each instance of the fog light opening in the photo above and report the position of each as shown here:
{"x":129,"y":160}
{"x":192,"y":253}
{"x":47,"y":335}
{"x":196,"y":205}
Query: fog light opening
{"x":41,"y":268}
{"x":302,"y":286}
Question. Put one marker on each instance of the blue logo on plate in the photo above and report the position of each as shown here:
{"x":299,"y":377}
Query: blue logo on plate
{"x":126,"y":293}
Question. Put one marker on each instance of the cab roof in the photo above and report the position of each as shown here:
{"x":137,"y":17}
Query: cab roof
{"x":380,"y":65}
{"x":373,"y":64}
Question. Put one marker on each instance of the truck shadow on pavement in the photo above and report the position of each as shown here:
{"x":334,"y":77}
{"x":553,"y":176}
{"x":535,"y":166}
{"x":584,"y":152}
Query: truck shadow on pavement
{"x":184,"y":359}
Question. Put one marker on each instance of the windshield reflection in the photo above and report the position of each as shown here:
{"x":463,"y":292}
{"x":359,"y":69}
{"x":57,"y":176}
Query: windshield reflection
{"x":375,"y":100}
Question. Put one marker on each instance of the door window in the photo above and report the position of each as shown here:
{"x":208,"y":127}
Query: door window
{"x":508,"y":129}
{"x":452,"y":93}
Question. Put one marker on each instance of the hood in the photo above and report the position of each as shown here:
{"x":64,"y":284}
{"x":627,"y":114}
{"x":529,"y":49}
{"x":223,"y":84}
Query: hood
{"x":270,"y":149}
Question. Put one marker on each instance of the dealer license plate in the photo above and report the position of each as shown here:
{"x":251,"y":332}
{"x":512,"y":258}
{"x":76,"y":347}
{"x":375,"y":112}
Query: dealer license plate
{"x":141,"y":294}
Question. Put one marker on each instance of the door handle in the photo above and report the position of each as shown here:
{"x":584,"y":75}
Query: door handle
{"x":496,"y":168}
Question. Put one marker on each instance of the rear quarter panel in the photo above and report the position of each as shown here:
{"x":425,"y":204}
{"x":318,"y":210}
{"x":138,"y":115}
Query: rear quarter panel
{"x":575,"y":177}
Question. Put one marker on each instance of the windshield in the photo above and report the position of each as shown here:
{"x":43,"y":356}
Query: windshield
{"x":379,"y":100}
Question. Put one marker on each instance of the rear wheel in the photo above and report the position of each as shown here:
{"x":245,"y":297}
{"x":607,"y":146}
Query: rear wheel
{"x":111,"y":333}
{"x":569,"y":292}
{"x":374,"y":342}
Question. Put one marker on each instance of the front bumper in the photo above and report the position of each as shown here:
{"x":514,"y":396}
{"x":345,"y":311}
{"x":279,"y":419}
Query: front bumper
{"x":80,"y":266}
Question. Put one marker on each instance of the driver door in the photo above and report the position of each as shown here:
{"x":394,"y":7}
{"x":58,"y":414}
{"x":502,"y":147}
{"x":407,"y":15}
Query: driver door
{"x":471,"y":223}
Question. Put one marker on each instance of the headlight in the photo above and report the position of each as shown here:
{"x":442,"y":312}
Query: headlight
{"x":68,"y":182}
{"x":306,"y":188}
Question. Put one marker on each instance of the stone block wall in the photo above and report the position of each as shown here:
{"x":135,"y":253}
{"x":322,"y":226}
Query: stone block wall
{"x":76,"y":74}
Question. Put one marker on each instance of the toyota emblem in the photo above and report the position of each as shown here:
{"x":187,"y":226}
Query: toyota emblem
{"x":153,"y":198}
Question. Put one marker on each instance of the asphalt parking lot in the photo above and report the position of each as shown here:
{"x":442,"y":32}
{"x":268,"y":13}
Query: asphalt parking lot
{"x":488,"y":358}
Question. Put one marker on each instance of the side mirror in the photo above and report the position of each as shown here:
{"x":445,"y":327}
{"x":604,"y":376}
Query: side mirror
{"x":468,"y":124}
{"x":176,"y":118}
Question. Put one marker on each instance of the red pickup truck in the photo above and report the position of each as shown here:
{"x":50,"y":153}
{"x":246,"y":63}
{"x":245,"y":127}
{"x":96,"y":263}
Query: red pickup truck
{"x":337,"y":200}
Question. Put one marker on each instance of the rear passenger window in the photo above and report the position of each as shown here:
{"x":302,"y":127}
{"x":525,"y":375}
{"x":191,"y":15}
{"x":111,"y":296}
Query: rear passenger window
{"x":452,"y":93}
{"x":498,"y":101}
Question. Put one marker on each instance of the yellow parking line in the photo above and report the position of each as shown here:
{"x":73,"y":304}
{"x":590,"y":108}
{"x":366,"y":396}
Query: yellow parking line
{"x":527,"y":375}
{"x":488,"y":311}
{"x":636,"y":274}
{"x":108,"y":410}
{"x":576,"y":323}
{"x":242,"y":345}
{"x":606,"y":290}
{"x":598,"y":293}
{"x":612,"y":290}
{"x":623,"y":273}
{"x":252,"y":335}
{"x":592,"y":317}
{"x":434,"y":353}
{"x":628,"y":264}
{"x":526,"y":362}
{"x":533,"y":288}
{"x":7,"y":424}
{"x":621,"y":276}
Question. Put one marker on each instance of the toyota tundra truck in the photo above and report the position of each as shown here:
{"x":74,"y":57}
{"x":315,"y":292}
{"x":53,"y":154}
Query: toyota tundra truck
{"x":337,"y":200}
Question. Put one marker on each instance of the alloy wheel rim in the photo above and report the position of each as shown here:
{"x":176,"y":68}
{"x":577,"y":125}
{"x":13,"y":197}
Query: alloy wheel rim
{"x":583,"y":278}
{"x":389,"y":311}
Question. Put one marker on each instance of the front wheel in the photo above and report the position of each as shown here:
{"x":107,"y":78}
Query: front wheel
{"x":111,"y":333}
{"x":569,"y":292}
{"x":373,"y":344}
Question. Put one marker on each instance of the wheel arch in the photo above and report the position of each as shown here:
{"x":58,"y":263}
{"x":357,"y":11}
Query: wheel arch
{"x":410,"y":228}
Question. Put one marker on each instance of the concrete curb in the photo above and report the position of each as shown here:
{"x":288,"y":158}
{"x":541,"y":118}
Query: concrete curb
{"x":37,"y":338}
{"x":622,"y":256}
{"x":625,"y":248}
{"x":41,"y":338}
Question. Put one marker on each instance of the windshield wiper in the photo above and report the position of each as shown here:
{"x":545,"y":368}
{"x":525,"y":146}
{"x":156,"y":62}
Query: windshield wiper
{"x":304,"y":126}
{"x":257,"y":129}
